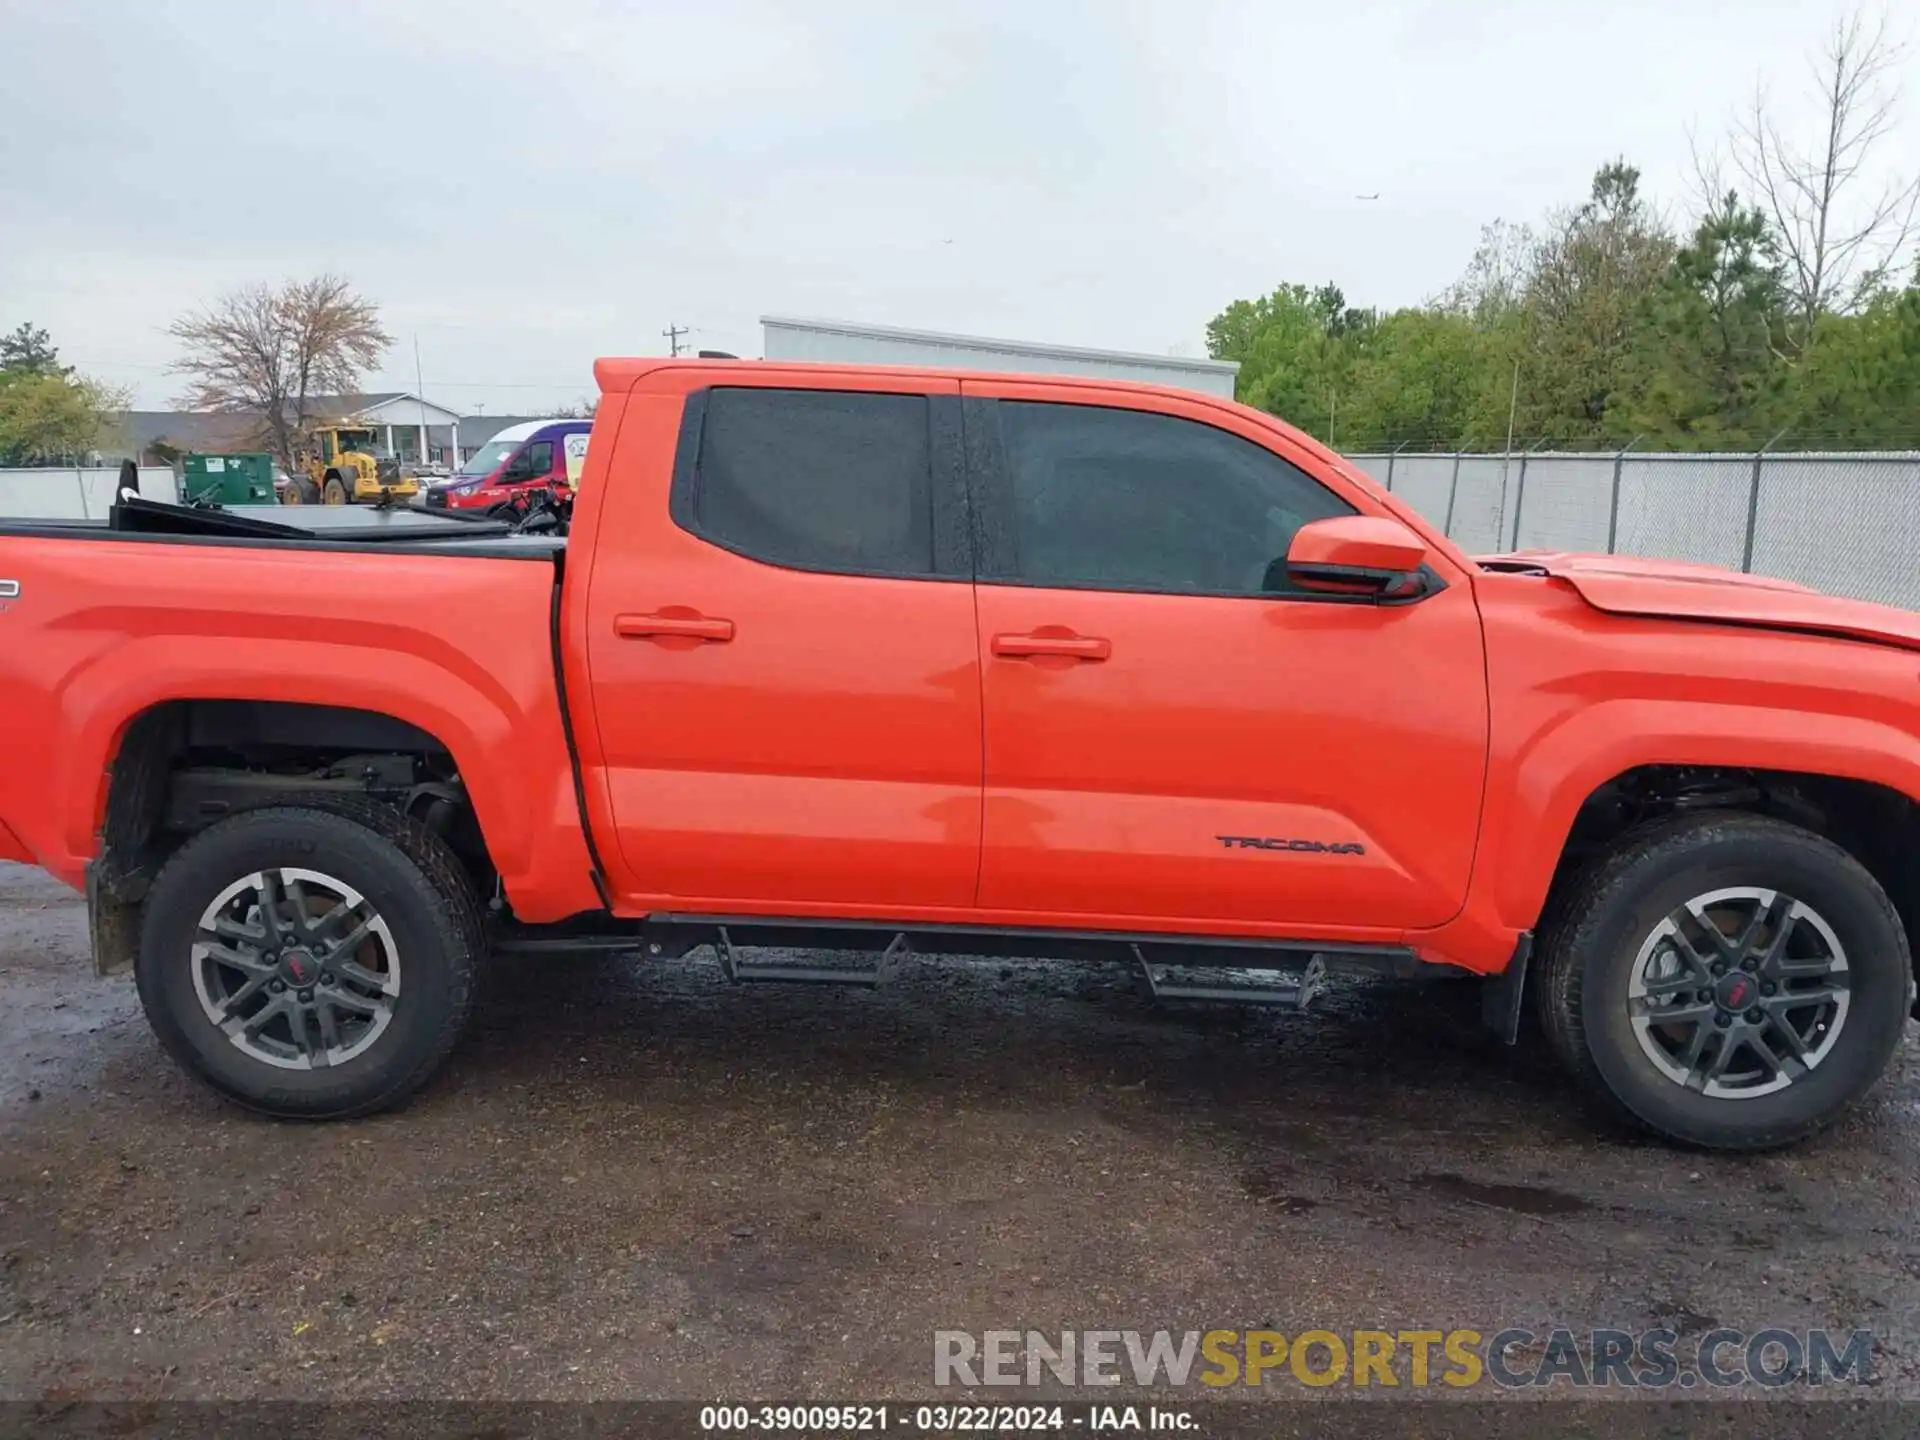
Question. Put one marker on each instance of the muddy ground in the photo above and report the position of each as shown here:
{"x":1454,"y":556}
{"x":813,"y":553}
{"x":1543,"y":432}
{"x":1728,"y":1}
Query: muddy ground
{"x":635,"y":1181}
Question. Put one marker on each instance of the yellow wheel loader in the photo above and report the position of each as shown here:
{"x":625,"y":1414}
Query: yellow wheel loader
{"x":342,"y":469}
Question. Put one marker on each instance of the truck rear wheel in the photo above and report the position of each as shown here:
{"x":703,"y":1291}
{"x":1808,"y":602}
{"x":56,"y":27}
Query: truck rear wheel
{"x":1726,"y":980}
{"x":312,"y":963}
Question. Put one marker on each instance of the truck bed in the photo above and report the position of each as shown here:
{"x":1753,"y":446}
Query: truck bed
{"x":393,"y":613}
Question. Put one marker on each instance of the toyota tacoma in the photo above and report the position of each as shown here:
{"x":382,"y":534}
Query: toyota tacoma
{"x":872,"y":662}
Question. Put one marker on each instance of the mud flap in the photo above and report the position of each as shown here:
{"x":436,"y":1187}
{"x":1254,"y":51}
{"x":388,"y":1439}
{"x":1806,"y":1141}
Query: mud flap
{"x":1500,"y":1000}
{"x":113,"y":926}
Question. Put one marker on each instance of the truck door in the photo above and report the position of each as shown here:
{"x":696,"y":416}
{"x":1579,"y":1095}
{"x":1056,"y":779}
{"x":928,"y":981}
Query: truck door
{"x":1173,"y":733}
{"x":785,"y":681}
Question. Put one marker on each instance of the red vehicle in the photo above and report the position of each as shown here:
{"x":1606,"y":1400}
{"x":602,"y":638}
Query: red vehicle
{"x":520,"y":460}
{"x":897,"y":659}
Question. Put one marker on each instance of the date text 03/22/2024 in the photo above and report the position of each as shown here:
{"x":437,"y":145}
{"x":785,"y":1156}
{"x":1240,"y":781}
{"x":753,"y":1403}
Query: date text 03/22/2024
{"x":949,"y":1419}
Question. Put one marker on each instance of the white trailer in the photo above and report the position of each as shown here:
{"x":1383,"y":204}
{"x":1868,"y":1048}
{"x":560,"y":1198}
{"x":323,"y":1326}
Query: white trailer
{"x":845,"y":343}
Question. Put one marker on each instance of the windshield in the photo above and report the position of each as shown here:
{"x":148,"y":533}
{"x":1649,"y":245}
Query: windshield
{"x":487,"y":458}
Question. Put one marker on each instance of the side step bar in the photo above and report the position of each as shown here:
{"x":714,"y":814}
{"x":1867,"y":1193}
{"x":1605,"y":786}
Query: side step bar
{"x":875,"y":948}
{"x":744,"y":972}
{"x":1294,"y":992}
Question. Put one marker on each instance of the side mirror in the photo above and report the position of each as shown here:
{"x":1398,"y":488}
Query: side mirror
{"x":1361,"y":555}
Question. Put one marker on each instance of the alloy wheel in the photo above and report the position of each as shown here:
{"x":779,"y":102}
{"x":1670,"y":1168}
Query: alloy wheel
{"x":1739,"y":992}
{"x":296,"y":968}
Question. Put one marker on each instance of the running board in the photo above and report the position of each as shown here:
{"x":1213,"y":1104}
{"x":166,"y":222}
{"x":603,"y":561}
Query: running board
{"x":746,"y":972}
{"x":879,"y":943}
{"x":1291,"y":993}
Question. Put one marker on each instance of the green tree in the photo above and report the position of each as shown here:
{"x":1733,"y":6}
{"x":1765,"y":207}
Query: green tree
{"x":1428,"y":378}
{"x":1296,"y":348}
{"x":1586,"y":308}
{"x":47,"y":413}
{"x":48,"y":418}
{"x":1859,"y":384}
{"x":30,"y":349}
{"x":1709,"y":369}
{"x":1597,"y":328}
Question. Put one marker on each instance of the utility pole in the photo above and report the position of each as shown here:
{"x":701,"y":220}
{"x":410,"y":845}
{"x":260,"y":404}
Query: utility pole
{"x":1506,"y":463}
{"x":419,"y":394}
{"x":1513,"y":409}
{"x":673,"y":334}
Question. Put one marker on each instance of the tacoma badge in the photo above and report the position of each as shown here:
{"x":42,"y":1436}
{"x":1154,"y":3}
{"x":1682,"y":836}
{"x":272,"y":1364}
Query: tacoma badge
{"x":1313,"y":847}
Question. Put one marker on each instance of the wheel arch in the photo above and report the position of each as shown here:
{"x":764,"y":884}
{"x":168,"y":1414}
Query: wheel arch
{"x":1877,"y":823}
{"x":278,"y":746}
{"x":1539,"y":788}
{"x":1544,"y":775}
{"x":132,"y":831}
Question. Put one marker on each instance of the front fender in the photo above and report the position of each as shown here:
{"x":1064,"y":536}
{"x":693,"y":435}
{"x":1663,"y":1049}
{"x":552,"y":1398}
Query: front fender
{"x":1560,"y":768}
{"x":1579,"y":698}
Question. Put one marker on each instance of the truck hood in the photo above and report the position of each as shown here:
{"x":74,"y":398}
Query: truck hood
{"x":1683,"y":590}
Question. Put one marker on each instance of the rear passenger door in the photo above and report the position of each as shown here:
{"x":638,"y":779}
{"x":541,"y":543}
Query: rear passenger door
{"x":781,"y":642}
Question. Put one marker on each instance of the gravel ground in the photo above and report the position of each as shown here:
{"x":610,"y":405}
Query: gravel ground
{"x":635,"y":1181}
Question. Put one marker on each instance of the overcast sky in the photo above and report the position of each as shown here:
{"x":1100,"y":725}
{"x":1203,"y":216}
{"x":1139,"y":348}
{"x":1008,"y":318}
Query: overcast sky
{"x":524,"y":187}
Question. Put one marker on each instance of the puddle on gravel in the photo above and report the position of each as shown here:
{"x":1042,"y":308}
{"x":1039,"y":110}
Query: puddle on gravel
{"x":1521,"y":1199}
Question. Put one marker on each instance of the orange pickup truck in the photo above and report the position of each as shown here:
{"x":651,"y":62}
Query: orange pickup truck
{"x":875,"y":661}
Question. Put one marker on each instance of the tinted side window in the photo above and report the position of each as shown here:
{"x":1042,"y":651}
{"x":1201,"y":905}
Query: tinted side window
{"x":539,"y":457}
{"x":1126,"y":500}
{"x":818,"y":479}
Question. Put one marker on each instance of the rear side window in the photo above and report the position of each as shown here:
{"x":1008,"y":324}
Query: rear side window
{"x":814,"y":479}
{"x":1112,"y":499}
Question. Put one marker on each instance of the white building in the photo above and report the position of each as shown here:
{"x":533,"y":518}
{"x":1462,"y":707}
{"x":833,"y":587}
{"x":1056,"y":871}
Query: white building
{"x":841,"y":342}
{"x":412,"y":430}
{"x":409,"y":429}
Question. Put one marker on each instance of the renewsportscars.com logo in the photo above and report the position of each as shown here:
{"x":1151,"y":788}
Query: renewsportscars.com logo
{"x":1512,"y":1358}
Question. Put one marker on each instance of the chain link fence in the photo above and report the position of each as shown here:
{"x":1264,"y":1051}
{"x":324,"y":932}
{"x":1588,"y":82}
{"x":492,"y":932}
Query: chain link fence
{"x":1841,"y":521}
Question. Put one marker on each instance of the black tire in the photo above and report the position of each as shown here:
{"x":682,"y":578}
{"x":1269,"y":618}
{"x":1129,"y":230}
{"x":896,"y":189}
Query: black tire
{"x":410,"y":878}
{"x":1591,"y":945}
{"x":302,"y":491}
{"x":338,"y":491}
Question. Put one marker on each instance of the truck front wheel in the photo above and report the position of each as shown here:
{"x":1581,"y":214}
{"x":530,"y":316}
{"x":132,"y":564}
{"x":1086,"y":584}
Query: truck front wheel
{"x":1726,"y":980}
{"x":311,"y":963}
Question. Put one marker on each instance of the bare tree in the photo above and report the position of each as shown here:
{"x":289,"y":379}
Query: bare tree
{"x":1496,"y":278}
{"x":267,"y":351}
{"x":1840,"y":227}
